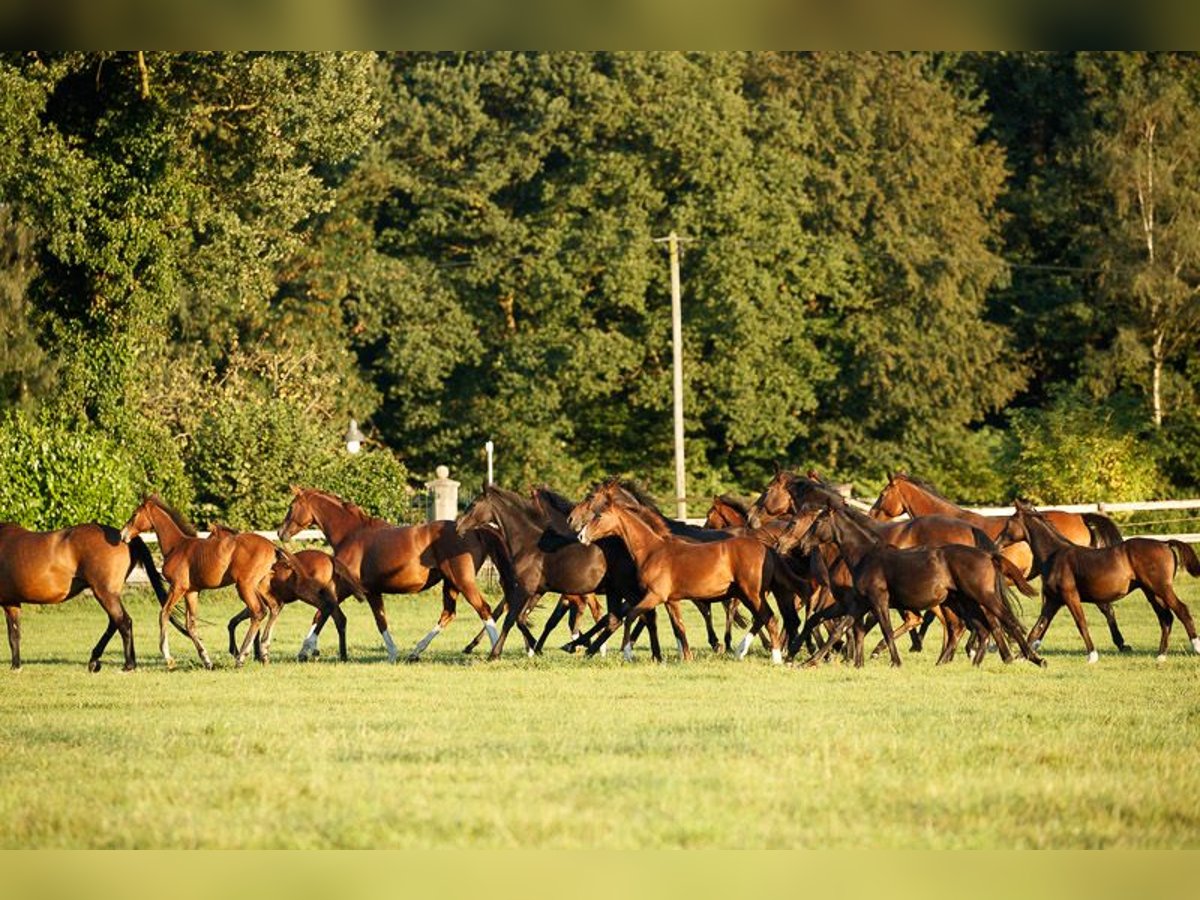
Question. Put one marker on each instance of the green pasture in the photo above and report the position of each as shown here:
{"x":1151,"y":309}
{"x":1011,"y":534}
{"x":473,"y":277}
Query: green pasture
{"x":567,"y":752}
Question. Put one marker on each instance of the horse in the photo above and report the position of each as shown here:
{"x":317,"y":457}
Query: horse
{"x":542,"y":560}
{"x":1072,"y":575}
{"x":726,"y":511}
{"x":917,"y":579}
{"x":192,"y":564}
{"x":318,"y":576}
{"x":919,"y":499}
{"x":401,"y":559}
{"x":671,"y":569}
{"x":47,"y":567}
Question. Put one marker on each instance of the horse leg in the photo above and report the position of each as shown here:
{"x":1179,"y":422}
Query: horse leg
{"x":375,"y":601}
{"x":502,"y":606}
{"x":12,"y":618}
{"x":552,"y":621}
{"x":237,"y":619}
{"x":1051,"y":604}
{"x":685,"y":652}
{"x":518,"y":614}
{"x":917,"y":638}
{"x":257,"y":614}
{"x":459,"y":573}
{"x":647,"y":603}
{"x":449,"y":611}
{"x":1175,"y":605}
{"x":879,"y":604}
{"x":190,"y":603}
{"x":339,"y":621}
{"x":1118,"y":639}
{"x":1070,"y":597}
{"x":118,"y":620}
{"x":164,"y":616}
{"x":526,"y":633}
{"x":705,"y":609}
{"x":909,"y":621}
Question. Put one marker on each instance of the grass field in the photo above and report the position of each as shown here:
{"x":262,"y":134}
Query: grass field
{"x":566,"y":752}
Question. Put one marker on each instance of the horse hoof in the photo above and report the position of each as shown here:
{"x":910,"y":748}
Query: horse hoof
{"x":1093,"y":658}
{"x":1162,"y":657}
{"x":170,"y":664}
{"x":1042,"y":663}
{"x":1125,"y":648}
{"x":410,"y":659}
{"x":208,"y":665}
{"x":316,"y":654}
{"x":129,"y":667}
{"x":93,"y":665}
{"x":239,"y":662}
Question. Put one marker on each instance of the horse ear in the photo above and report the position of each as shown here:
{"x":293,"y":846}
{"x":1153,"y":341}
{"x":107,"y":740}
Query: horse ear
{"x":775,"y":466}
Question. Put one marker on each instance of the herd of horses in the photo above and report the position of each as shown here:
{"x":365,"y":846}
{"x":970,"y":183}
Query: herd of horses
{"x":800,"y":567}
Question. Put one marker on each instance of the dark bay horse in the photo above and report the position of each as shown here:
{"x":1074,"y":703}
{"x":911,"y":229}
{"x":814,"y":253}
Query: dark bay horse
{"x":916,"y":579}
{"x":1072,"y":575}
{"x":192,"y":564}
{"x":671,"y":569}
{"x":542,"y":560}
{"x":906,"y":494}
{"x":401,"y":559}
{"x":316,"y":579}
{"x":46,"y":567}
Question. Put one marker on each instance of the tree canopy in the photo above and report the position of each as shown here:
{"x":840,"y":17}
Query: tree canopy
{"x":214,"y":260}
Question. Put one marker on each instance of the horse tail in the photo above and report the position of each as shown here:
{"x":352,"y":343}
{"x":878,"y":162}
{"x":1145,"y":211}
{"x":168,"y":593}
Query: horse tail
{"x":1104,"y":531}
{"x":1187,"y":556}
{"x":141,"y":556}
{"x":1009,"y":621}
{"x":349,"y":579}
{"x":1009,"y":568}
{"x":982,"y":541}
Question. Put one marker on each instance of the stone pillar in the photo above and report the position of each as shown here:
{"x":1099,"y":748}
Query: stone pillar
{"x":445,"y":495}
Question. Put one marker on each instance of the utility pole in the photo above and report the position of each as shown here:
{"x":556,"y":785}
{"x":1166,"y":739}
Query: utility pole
{"x":672,"y":241}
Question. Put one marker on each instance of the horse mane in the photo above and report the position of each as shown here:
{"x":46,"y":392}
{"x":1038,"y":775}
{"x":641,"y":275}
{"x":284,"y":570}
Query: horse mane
{"x":522,"y":506}
{"x":644,"y":507}
{"x":180,"y":522}
{"x":741,"y":504}
{"x":1036,"y":513}
{"x":555,"y":499}
{"x":348,"y":505}
{"x":925,"y":486}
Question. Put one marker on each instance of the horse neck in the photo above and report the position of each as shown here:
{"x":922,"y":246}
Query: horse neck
{"x":731,"y":515}
{"x":335,"y":520}
{"x":638,"y":537}
{"x":519,"y":526}
{"x":1042,"y":540}
{"x":918,"y":502}
{"x":170,"y":535}
{"x":853,"y":542}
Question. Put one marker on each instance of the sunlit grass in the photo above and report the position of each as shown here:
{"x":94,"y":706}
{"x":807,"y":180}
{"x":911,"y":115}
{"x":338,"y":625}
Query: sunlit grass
{"x":566,"y":752}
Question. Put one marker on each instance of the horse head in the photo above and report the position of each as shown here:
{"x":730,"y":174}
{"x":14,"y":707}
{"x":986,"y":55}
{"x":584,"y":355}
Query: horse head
{"x":775,"y":500}
{"x":300,"y":514}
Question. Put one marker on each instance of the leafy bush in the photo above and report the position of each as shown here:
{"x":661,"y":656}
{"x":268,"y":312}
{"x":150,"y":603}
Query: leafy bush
{"x":1078,"y":451}
{"x":54,"y":474}
{"x":375,"y":480}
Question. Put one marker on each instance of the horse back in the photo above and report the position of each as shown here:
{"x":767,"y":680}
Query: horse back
{"x":51,"y":566}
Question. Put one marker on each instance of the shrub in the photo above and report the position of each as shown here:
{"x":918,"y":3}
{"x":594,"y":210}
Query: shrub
{"x":54,"y":474}
{"x":1078,"y":451}
{"x":375,"y":480}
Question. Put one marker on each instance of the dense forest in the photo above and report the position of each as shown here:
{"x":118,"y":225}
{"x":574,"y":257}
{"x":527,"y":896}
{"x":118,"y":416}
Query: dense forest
{"x":981,"y":268}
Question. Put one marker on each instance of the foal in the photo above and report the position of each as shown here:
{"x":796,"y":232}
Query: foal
{"x":1072,"y":575}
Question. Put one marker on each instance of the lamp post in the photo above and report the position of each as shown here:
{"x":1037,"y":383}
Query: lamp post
{"x":354,"y":438}
{"x":490,"y":448}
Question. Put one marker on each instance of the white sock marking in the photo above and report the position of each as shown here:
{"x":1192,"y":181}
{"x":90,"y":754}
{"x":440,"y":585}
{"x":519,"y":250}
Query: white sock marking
{"x":490,"y":627}
{"x":679,"y":646}
{"x":1196,"y":643}
{"x":777,"y":656}
{"x":744,"y":647}
{"x":627,"y":650}
{"x":604,"y":649}
{"x":1162,"y":657}
{"x":1036,"y":645}
{"x":390,"y":645}
{"x":1093,"y":657}
{"x":426,"y":641}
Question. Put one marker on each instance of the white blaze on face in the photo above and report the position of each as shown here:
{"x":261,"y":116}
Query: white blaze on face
{"x":583,"y":535}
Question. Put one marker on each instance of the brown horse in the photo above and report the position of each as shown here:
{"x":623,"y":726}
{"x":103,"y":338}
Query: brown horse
{"x":726,"y":512}
{"x":1072,"y":575}
{"x":320,"y":581}
{"x":671,"y":569}
{"x":916,"y":579}
{"x":402,"y":559}
{"x":193,"y":564}
{"x":906,"y":494}
{"x":46,"y":567}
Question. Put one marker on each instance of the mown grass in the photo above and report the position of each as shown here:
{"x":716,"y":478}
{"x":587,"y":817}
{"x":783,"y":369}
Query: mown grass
{"x":567,"y":752}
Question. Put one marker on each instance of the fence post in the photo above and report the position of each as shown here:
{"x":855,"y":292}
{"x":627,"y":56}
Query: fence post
{"x":445,"y":495}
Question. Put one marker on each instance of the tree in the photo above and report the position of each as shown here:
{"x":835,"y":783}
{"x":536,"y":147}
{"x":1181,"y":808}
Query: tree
{"x":1147,"y":112}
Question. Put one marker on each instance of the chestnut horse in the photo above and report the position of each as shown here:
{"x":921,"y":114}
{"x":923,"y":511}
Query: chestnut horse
{"x":402,"y":559}
{"x":46,"y":567}
{"x":193,"y":564}
{"x":1072,"y":575}
{"x":671,"y":569}
{"x":917,"y":579}
{"x":320,"y":581}
{"x":726,"y":512}
{"x":906,"y":494}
